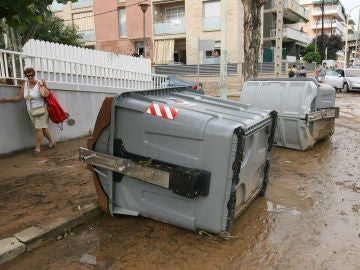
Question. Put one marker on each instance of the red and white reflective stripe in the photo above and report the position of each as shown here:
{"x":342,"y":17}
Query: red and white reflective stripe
{"x":162,"y":111}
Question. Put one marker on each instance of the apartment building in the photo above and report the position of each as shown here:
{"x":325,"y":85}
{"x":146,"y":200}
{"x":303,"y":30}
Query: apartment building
{"x":294,"y":38}
{"x":334,"y":17}
{"x":173,"y":28}
{"x":179,"y":25}
{"x":120,"y":27}
{"x":80,"y":14}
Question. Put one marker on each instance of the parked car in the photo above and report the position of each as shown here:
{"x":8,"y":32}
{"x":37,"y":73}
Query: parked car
{"x":351,"y":79}
{"x":174,"y":81}
{"x":334,"y":79}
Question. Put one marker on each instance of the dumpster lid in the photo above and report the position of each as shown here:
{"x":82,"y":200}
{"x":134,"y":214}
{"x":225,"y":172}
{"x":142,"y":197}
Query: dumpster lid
{"x":289,"y":97}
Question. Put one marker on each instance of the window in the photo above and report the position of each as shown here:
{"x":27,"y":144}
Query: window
{"x":213,"y":57}
{"x":174,"y":13}
{"x":87,"y":35}
{"x":139,"y":48}
{"x":211,"y":15}
{"x":122,"y":22}
{"x":84,"y":20}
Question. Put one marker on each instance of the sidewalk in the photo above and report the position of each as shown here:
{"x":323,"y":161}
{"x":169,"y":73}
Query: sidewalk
{"x":42,"y":197}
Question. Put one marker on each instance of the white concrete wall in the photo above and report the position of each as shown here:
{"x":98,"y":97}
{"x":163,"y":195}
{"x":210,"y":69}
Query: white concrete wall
{"x":17,"y":132}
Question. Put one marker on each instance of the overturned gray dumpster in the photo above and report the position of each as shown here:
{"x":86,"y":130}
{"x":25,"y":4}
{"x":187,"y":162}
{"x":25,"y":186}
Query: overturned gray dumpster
{"x":187,"y":159}
{"x":306,"y":110}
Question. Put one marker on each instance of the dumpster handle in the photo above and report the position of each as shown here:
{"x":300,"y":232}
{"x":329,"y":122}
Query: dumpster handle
{"x":273,"y":129}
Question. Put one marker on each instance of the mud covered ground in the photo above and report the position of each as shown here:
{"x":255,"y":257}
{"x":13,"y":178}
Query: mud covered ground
{"x":38,"y":189}
{"x":309,"y":218}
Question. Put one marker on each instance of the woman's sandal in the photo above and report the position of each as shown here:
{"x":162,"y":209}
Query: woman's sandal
{"x":36,"y":153}
{"x":52,"y":146}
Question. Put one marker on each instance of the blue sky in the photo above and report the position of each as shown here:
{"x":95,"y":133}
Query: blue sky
{"x":349,"y":4}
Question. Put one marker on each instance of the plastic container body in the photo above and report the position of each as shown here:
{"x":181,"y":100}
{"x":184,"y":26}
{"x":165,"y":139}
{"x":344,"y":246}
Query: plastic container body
{"x":300,"y":104}
{"x":216,"y":152}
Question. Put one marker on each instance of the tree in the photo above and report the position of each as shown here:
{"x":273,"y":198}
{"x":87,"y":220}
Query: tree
{"x":311,"y":55}
{"x":25,"y":16}
{"x":332,"y":43}
{"x":21,"y":13}
{"x":54,"y":30}
{"x":252,"y":36}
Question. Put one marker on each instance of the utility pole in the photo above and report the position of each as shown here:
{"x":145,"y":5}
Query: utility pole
{"x":144,"y":7}
{"x":279,"y":36}
{"x":223,"y":63}
{"x":322,"y":31}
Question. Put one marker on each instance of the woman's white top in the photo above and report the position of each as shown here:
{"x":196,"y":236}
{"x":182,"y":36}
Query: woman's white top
{"x":34,"y":95}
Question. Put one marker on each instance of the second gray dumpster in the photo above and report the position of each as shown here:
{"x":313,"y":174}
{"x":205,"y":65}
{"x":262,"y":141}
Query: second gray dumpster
{"x":191,"y":160}
{"x":306,"y":110}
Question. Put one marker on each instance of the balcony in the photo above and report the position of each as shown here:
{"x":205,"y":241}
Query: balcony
{"x":292,"y":10}
{"x":211,"y":60}
{"x":82,"y":4}
{"x":336,"y":11}
{"x":289,"y":34}
{"x":172,"y":27}
{"x":333,"y":24}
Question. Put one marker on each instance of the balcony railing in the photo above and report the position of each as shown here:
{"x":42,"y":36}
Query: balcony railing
{"x":212,"y":60}
{"x":334,"y":24}
{"x":288,"y":33}
{"x":335,"y":10}
{"x":290,"y":5}
{"x":296,"y":8}
{"x":82,"y":4}
{"x":176,"y":26}
{"x":294,"y":34}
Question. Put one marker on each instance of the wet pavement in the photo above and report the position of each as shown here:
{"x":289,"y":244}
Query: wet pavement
{"x":308,"y":219}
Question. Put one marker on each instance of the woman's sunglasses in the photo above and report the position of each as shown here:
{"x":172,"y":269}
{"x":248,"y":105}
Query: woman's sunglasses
{"x":29,"y":75}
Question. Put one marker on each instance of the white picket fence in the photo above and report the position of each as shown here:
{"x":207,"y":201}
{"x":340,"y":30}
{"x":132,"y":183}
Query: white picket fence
{"x":77,"y":66}
{"x":83,"y":55}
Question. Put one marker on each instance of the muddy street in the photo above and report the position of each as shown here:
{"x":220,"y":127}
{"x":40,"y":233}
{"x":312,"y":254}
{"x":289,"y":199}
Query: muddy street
{"x":308,"y":219}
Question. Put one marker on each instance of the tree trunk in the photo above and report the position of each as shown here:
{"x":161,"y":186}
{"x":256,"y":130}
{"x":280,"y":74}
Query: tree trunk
{"x":252,"y":37}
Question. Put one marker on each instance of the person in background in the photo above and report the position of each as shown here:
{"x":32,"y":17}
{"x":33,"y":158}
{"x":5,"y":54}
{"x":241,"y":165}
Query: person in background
{"x":295,"y":70}
{"x":340,"y":71}
{"x":34,"y":92}
{"x":302,"y":72}
{"x":216,"y":53}
{"x":290,"y":72}
{"x":322,"y":73}
{"x":317,"y":72}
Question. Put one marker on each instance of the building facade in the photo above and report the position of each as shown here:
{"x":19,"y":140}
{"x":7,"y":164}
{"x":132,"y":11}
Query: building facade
{"x":294,"y":38}
{"x":179,"y":27}
{"x":79,"y":14}
{"x":119,"y":27}
{"x":334,"y":17}
{"x":170,"y":31}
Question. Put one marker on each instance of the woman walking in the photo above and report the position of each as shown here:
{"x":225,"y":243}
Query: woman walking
{"x":34,"y":92}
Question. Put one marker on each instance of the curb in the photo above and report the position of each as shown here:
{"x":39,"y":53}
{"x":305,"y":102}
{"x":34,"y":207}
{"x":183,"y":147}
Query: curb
{"x":36,"y":236}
